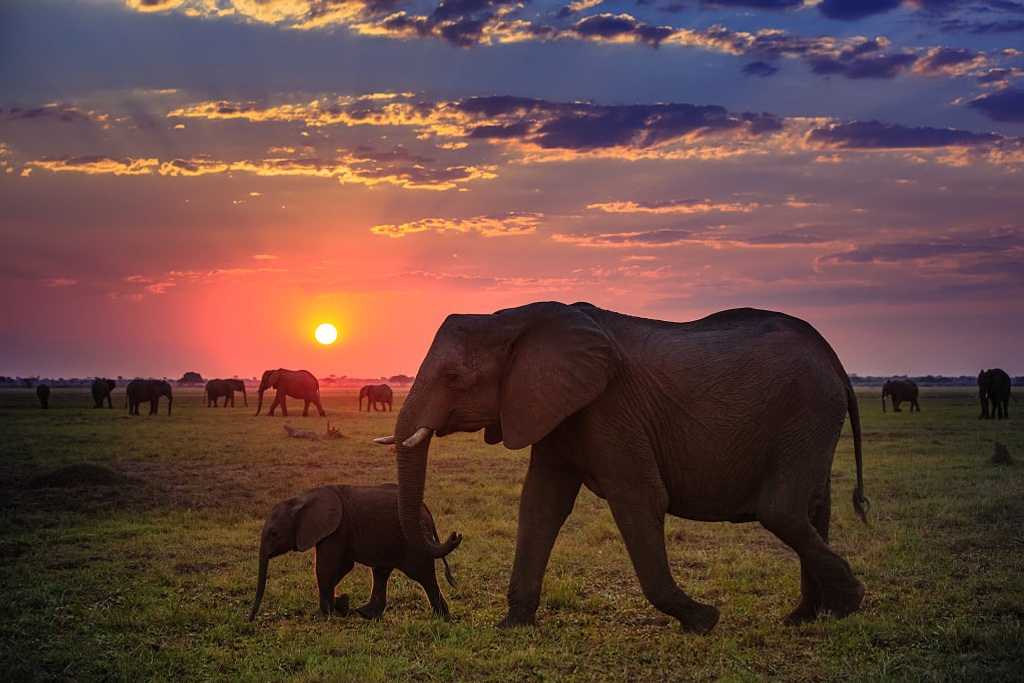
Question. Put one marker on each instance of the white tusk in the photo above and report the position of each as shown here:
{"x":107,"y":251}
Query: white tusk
{"x":417,"y":438}
{"x":385,"y":440}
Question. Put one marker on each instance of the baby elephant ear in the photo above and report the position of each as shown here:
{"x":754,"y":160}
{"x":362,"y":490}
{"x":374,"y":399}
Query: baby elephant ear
{"x":317,"y":516}
{"x":557,"y":367}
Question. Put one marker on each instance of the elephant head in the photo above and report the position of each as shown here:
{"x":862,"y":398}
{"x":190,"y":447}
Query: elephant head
{"x":296,"y":524}
{"x":239,"y":385}
{"x":268,"y":381}
{"x":163,"y":388}
{"x":517,"y":374}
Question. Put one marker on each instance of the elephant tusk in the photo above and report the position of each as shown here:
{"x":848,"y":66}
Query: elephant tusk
{"x":385,"y":440}
{"x":418,"y":436}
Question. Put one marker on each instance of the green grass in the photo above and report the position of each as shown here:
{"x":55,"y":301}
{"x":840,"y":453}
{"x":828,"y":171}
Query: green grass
{"x":153,"y":579}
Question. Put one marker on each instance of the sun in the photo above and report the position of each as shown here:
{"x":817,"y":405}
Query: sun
{"x":326,"y":333}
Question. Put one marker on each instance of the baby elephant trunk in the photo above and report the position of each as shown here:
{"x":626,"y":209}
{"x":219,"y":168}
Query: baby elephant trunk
{"x":261,"y":585}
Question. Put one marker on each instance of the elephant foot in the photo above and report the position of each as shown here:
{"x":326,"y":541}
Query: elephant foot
{"x":517,"y":618}
{"x":341,"y":607}
{"x":845,"y":600}
{"x":699,"y":618}
{"x":803,"y":613}
{"x":370,"y":611}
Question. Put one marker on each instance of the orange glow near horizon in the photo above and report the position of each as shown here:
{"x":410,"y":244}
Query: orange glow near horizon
{"x":326,"y":333}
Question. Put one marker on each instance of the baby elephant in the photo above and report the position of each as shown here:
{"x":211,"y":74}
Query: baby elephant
{"x":350,"y":524}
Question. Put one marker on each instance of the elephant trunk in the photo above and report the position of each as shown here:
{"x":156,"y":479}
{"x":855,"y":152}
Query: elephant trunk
{"x":170,"y":402}
{"x":244,"y":398}
{"x":413,"y":434}
{"x":259,"y":404}
{"x":261,"y":583}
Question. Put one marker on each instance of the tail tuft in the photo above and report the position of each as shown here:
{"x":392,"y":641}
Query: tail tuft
{"x":861,"y":504}
{"x":448,"y":573}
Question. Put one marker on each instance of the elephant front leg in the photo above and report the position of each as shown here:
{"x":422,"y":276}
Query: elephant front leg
{"x":329,"y":573}
{"x":641,"y":519}
{"x":549,"y":494}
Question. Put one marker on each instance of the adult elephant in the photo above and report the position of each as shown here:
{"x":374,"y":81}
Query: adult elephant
{"x":226,"y":388}
{"x":898,"y":391}
{"x":101,"y":390}
{"x":994,"y":391}
{"x":374,"y":394}
{"x":731,"y":418}
{"x":295,"y":383}
{"x":43,"y":394}
{"x":147,"y":391}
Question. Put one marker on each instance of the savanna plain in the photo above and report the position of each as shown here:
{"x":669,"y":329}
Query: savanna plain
{"x":148,"y":574}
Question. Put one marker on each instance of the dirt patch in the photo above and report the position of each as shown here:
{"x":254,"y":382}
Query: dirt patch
{"x":83,"y":474}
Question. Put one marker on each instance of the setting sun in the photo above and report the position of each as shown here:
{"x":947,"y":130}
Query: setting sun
{"x":326,"y":333}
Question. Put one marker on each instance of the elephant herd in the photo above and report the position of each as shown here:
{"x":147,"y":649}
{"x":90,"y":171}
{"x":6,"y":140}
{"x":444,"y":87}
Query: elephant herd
{"x":993,"y":393}
{"x":731,"y":418}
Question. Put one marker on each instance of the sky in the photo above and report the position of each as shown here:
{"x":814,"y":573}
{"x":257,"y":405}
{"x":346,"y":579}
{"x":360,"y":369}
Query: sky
{"x":196,"y":184}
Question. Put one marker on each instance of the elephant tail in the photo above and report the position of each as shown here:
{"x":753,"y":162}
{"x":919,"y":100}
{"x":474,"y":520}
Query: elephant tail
{"x":860,"y":502}
{"x":448,"y":576}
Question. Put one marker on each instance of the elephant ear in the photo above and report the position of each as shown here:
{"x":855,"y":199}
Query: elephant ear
{"x":556,"y":368}
{"x":317,"y":516}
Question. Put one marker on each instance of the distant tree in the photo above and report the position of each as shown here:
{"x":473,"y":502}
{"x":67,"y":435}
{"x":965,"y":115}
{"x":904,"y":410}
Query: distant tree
{"x":191,"y":377}
{"x":400,"y":379}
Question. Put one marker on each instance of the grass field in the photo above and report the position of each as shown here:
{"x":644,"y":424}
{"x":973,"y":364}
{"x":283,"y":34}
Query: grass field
{"x":150,"y":578}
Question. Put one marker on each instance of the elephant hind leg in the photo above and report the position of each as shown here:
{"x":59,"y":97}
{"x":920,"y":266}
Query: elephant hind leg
{"x":811,"y":595}
{"x":378,"y":602}
{"x":827,"y":582}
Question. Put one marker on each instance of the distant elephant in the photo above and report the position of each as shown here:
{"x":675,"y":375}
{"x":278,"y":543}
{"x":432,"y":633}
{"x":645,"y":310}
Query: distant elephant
{"x":101,"y":389}
{"x":994,"y":389}
{"x":350,"y":524}
{"x":900,"y":390}
{"x":731,"y":418}
{"x":43,"y":394}
{"x":147,"y":390}
{"x":374,"y":394}
{"x":295,"y":383}
{"x":215,"y":388}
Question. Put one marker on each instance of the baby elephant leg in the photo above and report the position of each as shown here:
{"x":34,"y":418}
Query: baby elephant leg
{"x":374,"y":607}
{"x":424,"y":575}
{"x":328,"y":575}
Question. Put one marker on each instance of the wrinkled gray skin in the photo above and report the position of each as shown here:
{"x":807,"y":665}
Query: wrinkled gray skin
{"x":900,"y":390}
{"x":216,"y":388}
{"x":43,"y":394}
{"x":147,"y":391}
{"x":348,"y":525}
{"x":299,"y":384}
{"x":101,"y":390}
{"x":994,"y":394}
{"x":731,"y":418}
{"x":374,"y":394}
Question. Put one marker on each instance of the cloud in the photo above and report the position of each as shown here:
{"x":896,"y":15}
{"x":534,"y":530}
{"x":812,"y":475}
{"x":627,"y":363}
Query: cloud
{"x":1003,"y":105}
{"x":362,"y":166}
{"x":507,"y":225}
{"x":870,"y":66}
{"x":670,"y":207}
{"x":878,"y":135}
{"x":639,"y":239}
{"x":96,"y":165}
{"x":760,"y":69}
{"x":618,"y":28}
{"x":64,"y":113}
{"x":948,"y":248}
{"x":951,"y":62}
